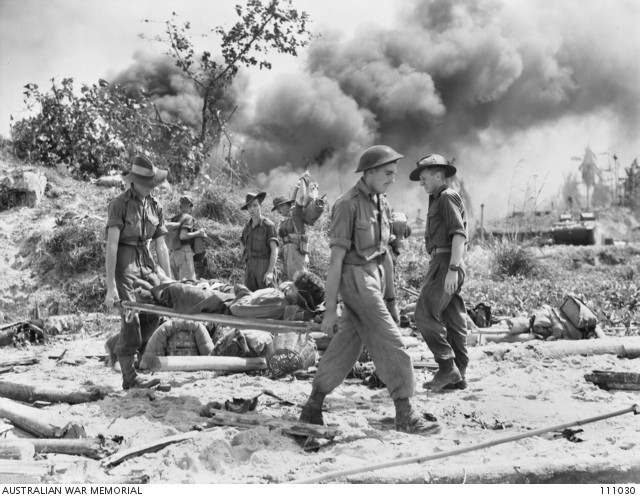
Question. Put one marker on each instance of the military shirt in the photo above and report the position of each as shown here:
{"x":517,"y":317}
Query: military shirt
{"x":446,"y":217}
{"x":139,"y":219}
{"x":257,"y":239}
{"x":360,"y":224}
{"x":187,"y":223}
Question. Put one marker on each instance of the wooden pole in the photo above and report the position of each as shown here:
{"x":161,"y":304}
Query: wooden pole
{"x":425,"y":458}
{"x":29,"y":394}
{"x":195,"y":363}
{"x":273,"y":326}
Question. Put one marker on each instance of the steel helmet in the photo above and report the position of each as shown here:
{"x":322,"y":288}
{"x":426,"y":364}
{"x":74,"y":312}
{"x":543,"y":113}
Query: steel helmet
{"x":375,"y":156}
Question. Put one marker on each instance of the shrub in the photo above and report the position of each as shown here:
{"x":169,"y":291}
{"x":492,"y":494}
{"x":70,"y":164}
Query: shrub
{"x":511,"y":258}
{"x":76,"y":248}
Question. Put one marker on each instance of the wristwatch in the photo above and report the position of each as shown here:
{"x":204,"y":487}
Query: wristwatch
{"x":454,"y":268}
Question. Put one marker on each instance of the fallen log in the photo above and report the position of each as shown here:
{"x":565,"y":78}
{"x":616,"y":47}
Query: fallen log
{"x":150,"y":447}
{"x":24,"y":472}
{"x":624,"y":347}
{"x":251,"y":420}
{"x":25,"y":360}
{"x":87,"y":447}
{"x":273,"y":326}
{"x":40,"y":423}
{"x":474,"y":339}
{"x":627,"y":381}
{"x":195,"y":363}
{"x":29,"y":394}
{"x":16,"y":449}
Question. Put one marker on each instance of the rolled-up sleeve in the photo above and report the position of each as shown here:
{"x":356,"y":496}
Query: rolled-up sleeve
{"x":161,"y":229}
{"x":341,"y":231}
{"x":451,"y":209}
{"x":272,"y":234}
{"x":115,"y":214}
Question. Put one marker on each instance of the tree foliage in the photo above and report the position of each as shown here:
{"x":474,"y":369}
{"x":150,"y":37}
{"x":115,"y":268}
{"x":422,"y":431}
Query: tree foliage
{"x":102,"y":126}
{"x":262,"y":28}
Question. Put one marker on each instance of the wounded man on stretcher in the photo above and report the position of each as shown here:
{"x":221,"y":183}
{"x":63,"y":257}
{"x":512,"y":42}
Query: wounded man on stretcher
{"x":298,"y":300}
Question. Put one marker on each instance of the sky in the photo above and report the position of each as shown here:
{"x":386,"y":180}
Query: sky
{"x":513,"y":91}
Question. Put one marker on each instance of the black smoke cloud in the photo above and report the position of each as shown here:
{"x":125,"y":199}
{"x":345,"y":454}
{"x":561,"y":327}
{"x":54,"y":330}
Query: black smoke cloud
{"x":467,"y":79}
{"x":175,"y":97}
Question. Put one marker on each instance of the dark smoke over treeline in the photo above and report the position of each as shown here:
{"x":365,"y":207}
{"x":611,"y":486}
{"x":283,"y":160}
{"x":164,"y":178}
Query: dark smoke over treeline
{"x":470,"y":79}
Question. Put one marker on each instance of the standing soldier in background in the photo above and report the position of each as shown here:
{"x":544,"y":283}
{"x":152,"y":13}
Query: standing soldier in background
{"x":359,"y":237}
{"x":259,"y":244}
{"x":400,"y":230}
{"x":440,"y":311}
{"x":294,"y":251}
{"x":181,"y":256}
{"x":134,"y":219}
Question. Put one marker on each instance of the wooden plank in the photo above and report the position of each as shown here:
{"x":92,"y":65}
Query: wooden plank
{"x":251,"y":420}
{"x":627,"y":381}
{"x":273,"y":326}
{"x":141,"y":449}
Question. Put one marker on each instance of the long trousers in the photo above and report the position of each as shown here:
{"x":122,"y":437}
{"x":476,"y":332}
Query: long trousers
{"x":365,"y":321}
{"x":440,"y":316}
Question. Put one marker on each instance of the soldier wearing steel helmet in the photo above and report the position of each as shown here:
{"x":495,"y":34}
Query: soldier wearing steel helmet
{"x":440,"y":312}
{"x":358,"y":238}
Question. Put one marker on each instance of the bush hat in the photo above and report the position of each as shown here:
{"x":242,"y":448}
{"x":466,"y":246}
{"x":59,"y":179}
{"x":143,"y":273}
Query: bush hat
{"x":145,"y":173}
{"x":432,"y":161}
{"x":279,"y":201}
{"x":185,"y":199}
{"x":251,"y":196}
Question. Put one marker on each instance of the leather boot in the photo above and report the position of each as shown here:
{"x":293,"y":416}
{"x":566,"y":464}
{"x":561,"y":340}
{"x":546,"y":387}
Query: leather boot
{"x":312,"y":410}
{"x":447,"y":373}
{"x":463,"y":383}
{"x":130,"y":378}
{"x":407,"y":420}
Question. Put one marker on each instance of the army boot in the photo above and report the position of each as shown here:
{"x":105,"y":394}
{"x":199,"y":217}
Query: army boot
{"x":130,"y":378}
{"x":447,"y":373}
{"x":407,"y":420}
{"x":458,"y":385}
{"x":312,"y":410}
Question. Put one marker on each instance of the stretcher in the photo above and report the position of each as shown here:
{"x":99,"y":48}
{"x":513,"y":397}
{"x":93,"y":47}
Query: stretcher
{"x":267,"y":324}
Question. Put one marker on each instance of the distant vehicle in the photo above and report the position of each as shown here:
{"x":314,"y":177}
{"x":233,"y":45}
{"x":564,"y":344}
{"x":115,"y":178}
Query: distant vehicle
{"x":580,"y":233}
